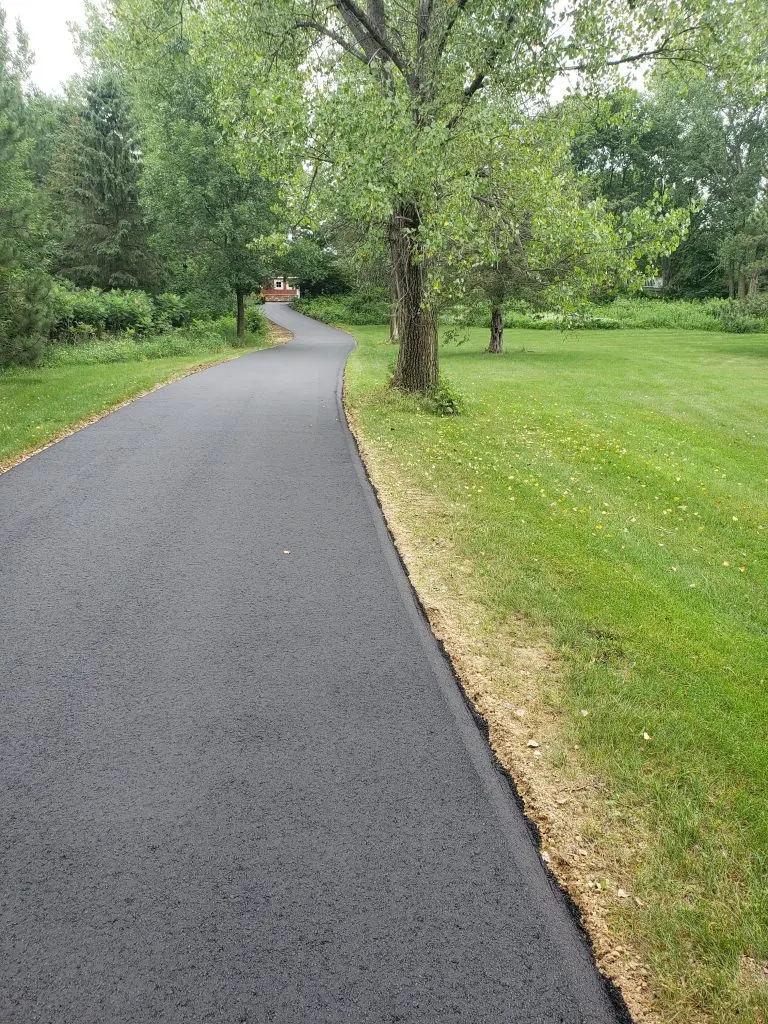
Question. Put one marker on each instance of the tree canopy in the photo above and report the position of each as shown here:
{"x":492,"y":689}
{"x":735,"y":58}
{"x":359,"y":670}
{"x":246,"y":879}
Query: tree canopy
{"x":214,"y":143}
{"x":406,"y":117}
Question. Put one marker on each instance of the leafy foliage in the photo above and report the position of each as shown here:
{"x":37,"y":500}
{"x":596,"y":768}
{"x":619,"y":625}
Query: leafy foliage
{"x":171,"y":311}
{"x":700,"y":142}
{"x":209,"y":213}
{"x":352,"y":308}
{"x":624,"y":312}
{"x":24,"y":284}
{"x":410,"y":119}
{"x":89,"y":311}
{"x":444,"y":399}
{"x":255,"y":321}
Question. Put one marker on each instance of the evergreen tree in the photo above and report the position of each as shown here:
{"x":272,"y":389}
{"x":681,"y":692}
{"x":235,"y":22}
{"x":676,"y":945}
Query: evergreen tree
{"x":24,"y":285}
{"x":97,"y":185}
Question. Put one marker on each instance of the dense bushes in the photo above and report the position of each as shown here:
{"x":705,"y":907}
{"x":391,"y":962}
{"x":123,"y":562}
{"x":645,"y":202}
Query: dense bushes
{"x":88,"y":312}
{"x":708,"y":315}
{"x":82,"y":313}
{"x":479,"y":315}
{"x":354,"y":308}
{"x":199,"y":337}
{"x":171,"y":311}
{"x":255,"y":322}
{"x":54,"y":322}
{"x":648,"y":314}
{"x":625,"y":313}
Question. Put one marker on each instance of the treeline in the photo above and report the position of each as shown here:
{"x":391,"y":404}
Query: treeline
{"x":125,"y":210}
{"x":695,"y":144}
{"x":186,"y":167}
{"x":698,"y":142}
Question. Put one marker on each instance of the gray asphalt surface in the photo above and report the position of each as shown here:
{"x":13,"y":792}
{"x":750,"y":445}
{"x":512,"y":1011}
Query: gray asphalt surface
{"x":239,"y":783}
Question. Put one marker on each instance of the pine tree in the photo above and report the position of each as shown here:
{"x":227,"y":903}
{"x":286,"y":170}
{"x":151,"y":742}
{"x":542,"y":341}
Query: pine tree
{"x":97,"y":179}
{"x":24,"y":285}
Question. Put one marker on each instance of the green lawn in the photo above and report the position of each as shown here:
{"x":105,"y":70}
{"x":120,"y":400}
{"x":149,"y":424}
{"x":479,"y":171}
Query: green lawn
{"x":612,"y":488}
{"x":38,"y":405}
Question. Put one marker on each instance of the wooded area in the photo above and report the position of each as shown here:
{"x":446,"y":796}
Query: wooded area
{"x":448,"y":152}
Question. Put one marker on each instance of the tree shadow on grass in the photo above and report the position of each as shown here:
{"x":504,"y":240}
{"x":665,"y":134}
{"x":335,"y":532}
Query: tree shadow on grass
{"x":743,"y":348}
{"x":10,"y":380}
{"x":527,"y":355}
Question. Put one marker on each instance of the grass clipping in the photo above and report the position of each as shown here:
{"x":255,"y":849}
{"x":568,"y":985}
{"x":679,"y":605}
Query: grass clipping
{"x":510,"y":673}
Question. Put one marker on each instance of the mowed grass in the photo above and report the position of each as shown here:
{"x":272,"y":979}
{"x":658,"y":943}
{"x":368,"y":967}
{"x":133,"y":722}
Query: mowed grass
{"x":612,"y":488}
{"x":38,"y":405}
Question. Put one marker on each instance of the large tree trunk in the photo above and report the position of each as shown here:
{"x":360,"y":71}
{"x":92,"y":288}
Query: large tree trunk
{"x":497,"y":331}
{"x":731,"y":285}
{"x":240,"y":313}
{"x":416,"y":323}
{"x":742,"y":285}
{"x":754,"y":284}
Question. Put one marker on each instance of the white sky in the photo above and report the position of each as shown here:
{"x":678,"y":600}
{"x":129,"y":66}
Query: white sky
{"x":45,"y":21}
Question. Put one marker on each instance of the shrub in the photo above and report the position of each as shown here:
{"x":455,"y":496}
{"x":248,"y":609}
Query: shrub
{"x":129,"y":311}
{"x":356,"y":309}
{"x":561,"y":321}
{"x":91,"y":311}
{"x":646,"y":313}
{"x":171,"y":311}
{"x":255,"y":321}
{"x":77,"y":307}
{"x":444,"y":399}
{"x":735,"y":319}
{"x":757,"y":306}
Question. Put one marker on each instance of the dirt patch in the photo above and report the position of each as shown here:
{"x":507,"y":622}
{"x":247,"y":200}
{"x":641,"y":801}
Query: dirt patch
{"x":279,"y":335}
{"x":753,"y":974}
{"x":510,"y":672}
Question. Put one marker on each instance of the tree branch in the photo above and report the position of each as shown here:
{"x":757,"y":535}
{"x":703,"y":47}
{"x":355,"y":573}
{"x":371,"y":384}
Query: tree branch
{"x":457,"y":11}
{"x":330,"y":34}
{"x":348,"y":8}
{"x":663,"y":52}
{"x":424,"y":21}
{"x":478,"y":81}
{"x":474,"y":86}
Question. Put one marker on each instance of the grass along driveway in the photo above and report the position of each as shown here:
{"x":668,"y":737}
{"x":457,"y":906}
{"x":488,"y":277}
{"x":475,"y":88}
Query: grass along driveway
{"x":591,"y":540}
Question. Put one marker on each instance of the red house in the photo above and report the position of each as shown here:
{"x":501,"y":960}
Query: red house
{"x":280,"y":289}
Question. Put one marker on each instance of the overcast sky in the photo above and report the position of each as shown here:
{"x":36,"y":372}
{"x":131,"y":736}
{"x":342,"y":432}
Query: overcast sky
{"x":46,"y":24}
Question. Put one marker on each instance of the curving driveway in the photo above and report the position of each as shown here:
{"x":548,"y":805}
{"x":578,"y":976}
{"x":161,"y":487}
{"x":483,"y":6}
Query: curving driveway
{"x":238,"y":782}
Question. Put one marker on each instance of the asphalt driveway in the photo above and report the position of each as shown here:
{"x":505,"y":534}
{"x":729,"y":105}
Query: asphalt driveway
{"x":238,"y":781}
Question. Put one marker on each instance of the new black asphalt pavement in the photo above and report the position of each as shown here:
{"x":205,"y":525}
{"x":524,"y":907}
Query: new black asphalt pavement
{"x":239,"y":782}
